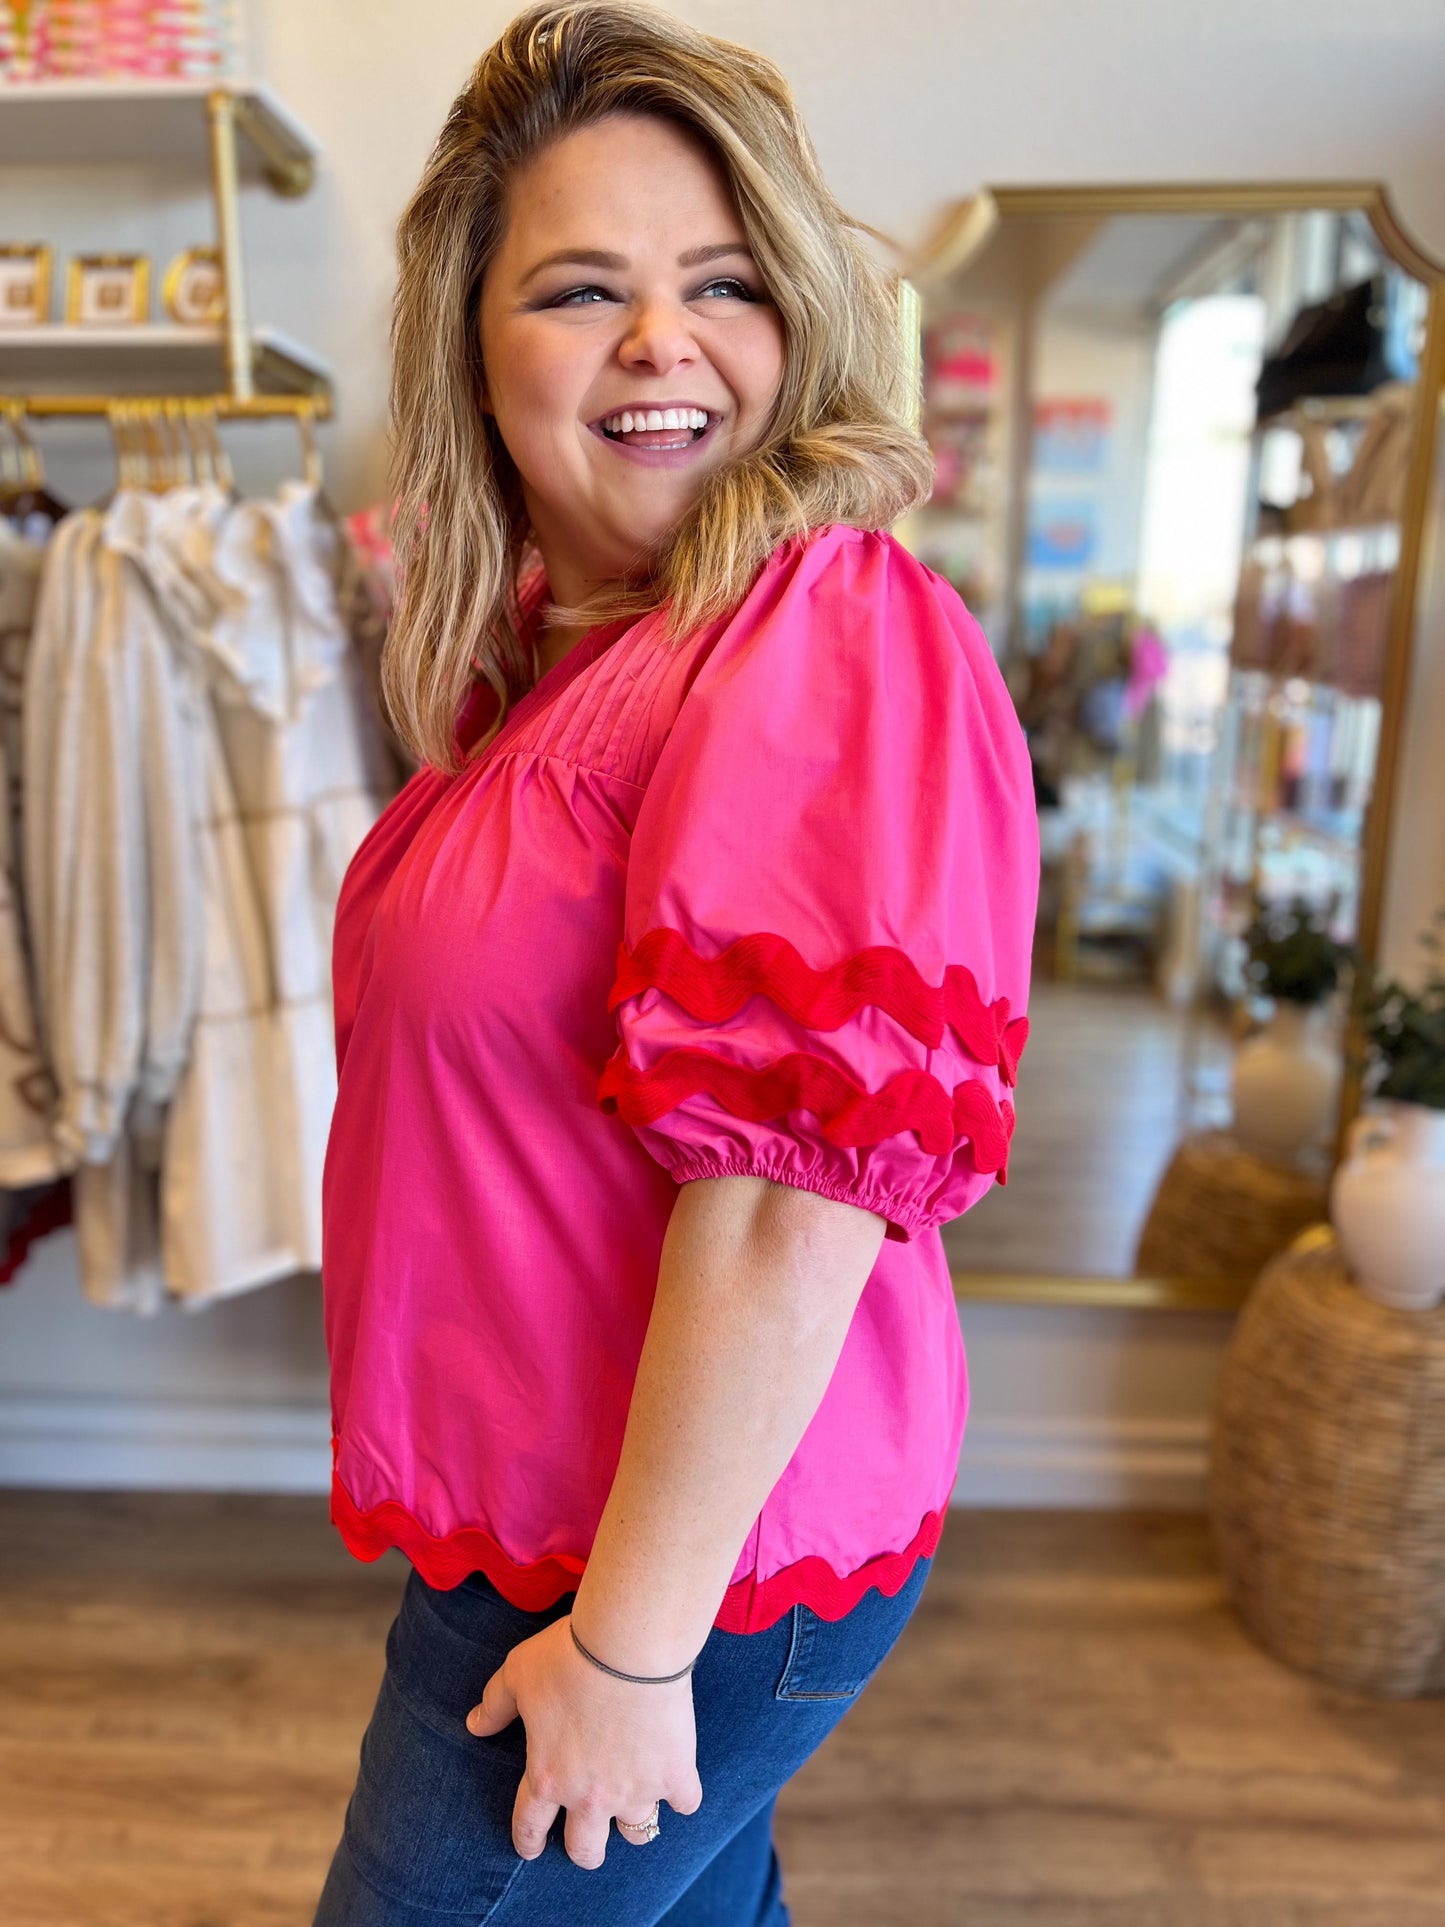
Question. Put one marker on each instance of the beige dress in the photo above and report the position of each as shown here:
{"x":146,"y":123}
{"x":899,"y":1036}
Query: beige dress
{"x":203,"y":761}
{"x":29,"y":1154}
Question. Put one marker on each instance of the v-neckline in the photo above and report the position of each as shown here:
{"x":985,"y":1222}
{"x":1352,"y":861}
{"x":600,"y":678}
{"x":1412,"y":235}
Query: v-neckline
{"x":583,"y":652}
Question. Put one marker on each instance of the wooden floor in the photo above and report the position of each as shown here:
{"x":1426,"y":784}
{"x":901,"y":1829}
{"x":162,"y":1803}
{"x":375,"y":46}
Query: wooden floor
{"x":1073,"y":1730}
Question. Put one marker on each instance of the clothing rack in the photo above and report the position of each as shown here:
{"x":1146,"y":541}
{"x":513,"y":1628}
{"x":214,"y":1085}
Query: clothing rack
{"x":165,"y":440}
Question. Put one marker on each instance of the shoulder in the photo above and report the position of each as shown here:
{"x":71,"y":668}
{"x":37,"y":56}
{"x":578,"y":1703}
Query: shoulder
{"x":850,"y":655}
{"x":839,"y":581}
{"x":835,"y":553}
{"x":854,"y":607}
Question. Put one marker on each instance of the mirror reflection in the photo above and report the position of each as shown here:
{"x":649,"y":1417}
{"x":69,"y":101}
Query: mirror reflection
{"x":1172,"y":455}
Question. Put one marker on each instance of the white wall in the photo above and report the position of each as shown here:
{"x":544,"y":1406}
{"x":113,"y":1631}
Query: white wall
{"x":910,"y":106}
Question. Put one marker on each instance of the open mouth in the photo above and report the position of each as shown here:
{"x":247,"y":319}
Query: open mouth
{"x":681,"y":436}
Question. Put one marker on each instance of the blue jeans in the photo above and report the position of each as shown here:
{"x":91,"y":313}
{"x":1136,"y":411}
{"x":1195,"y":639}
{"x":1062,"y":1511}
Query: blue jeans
{"x":428,"y":1833}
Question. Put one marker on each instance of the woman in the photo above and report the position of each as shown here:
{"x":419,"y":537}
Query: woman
{"x":677,"y":998}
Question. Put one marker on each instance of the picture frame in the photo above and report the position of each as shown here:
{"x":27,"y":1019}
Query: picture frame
{"x":107,"y":290}
{"x":194,"y":289}
{"x":24,"y":284}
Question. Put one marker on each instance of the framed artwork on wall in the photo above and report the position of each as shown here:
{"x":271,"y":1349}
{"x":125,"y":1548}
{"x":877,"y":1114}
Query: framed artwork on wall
{"x":24,"y":285}
{"x":194,"y":290}
{"x":107,"y":290}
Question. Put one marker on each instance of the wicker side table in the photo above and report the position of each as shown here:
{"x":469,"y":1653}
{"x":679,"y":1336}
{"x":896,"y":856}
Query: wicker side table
{"x":1221,"y":1212}
{"x":1327,"y":1477}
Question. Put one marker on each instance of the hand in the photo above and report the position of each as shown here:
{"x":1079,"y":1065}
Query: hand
{"x":601,"y":1747}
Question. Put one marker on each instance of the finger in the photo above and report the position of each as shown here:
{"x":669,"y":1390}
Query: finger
{"x":497,"y":1707}
{"x":532,"y":1816}
{"x":632,"y":1839}
{"x":586,"y":1835}
{"x":687,"y":1798}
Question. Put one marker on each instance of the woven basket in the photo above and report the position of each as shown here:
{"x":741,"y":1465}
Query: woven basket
{"x":1327,"y":1477}
{"x":1221,"y":1212}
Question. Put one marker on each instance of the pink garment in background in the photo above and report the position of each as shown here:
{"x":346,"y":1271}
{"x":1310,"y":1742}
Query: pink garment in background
{"x":759,"y":902}
{"x":1148,"y":666}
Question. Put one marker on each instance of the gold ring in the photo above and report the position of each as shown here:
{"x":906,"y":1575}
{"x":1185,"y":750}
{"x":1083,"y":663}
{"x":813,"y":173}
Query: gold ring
{"x":648,"y":1828}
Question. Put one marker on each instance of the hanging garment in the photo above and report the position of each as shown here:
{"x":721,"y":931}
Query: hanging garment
{"x":222,"y":1222}
{"x":201,"y":776}
{"x":366,"y":593}
{"x":35,"y":1195}
{"x":81,"y":991}
{"x":111,"y":723}
{"x":28,"y":1152}
{"x":307,"y":776}
{"x":53,"y":765}
{"x":28,"y":1215}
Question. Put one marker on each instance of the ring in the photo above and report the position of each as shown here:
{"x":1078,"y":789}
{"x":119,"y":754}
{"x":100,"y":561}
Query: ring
{"x":648,"y":1828}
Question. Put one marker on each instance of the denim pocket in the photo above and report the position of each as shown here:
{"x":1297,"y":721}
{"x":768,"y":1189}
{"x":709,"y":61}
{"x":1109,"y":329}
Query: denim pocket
{"x":820,"y":1665}
{"x":834,"y":1659}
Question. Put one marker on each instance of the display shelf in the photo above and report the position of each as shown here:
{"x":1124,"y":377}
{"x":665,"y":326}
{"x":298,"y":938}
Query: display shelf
{"x":1312,"y":542}
{"x":47,"y":123}
{"x":1296,"y":704}
{"x":1320,"y":408}
{"x":151,"y":358}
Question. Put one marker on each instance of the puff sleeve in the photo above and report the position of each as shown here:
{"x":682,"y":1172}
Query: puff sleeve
{"x":830,"y":896}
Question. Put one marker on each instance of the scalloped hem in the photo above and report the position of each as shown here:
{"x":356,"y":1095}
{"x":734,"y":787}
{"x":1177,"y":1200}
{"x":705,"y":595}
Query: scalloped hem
{"x":749,"y":1605}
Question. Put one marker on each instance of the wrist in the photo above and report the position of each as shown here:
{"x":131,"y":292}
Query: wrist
{"x":594,"y":1659}
{"x":630,"y":1639}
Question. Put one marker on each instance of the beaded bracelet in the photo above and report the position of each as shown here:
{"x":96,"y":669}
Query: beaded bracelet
{"x":636,"y":1679}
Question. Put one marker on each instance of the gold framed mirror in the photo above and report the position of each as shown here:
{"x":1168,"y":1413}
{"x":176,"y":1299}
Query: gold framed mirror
{"x":1184,"y":437}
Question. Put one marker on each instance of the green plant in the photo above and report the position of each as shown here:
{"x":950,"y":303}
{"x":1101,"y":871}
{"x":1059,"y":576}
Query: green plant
{"x":1405,"y":1033}
{"x":1292,"y":956}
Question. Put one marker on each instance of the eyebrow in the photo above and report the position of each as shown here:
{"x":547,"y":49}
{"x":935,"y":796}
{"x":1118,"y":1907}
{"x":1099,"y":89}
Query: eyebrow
{"x":599,"y":258}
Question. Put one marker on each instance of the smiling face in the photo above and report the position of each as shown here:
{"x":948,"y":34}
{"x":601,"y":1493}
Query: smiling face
{"x":573,"y":342}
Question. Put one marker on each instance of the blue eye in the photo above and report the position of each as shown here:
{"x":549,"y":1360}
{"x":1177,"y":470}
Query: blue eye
{"x":569,"y":300}
{"x":565,"y":300}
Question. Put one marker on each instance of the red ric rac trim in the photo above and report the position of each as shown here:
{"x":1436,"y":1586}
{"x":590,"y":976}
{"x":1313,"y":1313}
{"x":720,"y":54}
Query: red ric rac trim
{"x":847,"y":1113}
{"x":445,"y":1563}
{"x":749,"y":1605}
{"x":766,"y":965}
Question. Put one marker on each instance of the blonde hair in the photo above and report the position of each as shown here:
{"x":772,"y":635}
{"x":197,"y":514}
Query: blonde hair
{"x":839,"y":445}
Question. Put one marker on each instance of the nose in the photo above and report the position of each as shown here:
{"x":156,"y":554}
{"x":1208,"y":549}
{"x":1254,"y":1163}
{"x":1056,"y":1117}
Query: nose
{"x":659,"y":336}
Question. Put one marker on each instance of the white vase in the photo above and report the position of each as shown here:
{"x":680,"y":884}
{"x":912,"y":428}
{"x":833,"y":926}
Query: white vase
{"x":1387,"y":1204}
{"x":1287,"y":1084}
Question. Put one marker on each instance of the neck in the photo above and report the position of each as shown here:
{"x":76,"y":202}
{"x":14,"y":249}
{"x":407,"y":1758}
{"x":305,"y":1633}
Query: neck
{"x":553,"y":644}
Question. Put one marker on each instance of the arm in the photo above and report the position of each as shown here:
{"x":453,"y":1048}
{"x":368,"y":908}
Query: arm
{"x":756,"y":1289}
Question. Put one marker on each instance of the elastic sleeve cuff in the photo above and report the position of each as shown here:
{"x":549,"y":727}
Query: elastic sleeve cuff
{"x":903,"y":1221}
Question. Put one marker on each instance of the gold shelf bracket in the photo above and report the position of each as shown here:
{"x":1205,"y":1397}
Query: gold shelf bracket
{"x":225,"y":187}
{"x":288,"y":174}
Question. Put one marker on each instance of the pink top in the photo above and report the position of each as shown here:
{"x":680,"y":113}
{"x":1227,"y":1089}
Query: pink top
{"x":761,"y":901}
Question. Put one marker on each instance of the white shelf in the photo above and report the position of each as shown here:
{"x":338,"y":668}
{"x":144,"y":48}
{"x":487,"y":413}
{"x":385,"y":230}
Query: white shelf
{"x":150,"y":358}
{"x":45,"y":123}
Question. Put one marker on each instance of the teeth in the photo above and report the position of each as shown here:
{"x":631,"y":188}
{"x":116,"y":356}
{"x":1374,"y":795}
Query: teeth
{"x":651,"y":418}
